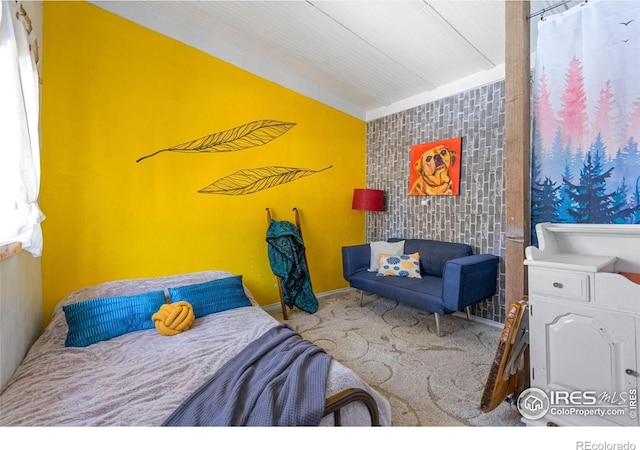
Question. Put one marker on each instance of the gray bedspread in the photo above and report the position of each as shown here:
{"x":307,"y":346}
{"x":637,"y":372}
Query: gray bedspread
{"x":140,"y":378}
{"x":277,"y":380}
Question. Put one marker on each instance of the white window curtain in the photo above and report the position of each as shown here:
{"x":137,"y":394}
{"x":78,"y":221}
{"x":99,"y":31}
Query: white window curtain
{"x":20,"y":214}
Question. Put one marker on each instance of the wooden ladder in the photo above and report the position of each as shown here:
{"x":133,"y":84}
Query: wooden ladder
{"x":285,"y":313}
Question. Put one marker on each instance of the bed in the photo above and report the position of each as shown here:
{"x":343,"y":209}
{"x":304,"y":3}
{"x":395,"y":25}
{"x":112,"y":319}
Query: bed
{"x":141,"y":377}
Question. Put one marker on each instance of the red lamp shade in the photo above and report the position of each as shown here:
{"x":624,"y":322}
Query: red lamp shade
{"x":368,"y":199}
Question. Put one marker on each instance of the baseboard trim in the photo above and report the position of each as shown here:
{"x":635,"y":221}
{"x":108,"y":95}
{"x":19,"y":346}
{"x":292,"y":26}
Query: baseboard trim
{"x":479,"y":319}
{"x":460,"y":314}
{"x":319,"y":296}
{"x":335,"y":291}
{"x":271,"y":307}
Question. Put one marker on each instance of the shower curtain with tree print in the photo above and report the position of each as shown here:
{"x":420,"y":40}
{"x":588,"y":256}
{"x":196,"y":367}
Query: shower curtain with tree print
{"x":585,"y":165}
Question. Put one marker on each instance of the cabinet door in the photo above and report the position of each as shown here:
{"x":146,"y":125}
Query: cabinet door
{"x":580,"y":348}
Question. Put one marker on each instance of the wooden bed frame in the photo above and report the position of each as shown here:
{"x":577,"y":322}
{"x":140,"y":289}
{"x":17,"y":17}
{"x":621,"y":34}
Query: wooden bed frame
{"x":336,"y":402}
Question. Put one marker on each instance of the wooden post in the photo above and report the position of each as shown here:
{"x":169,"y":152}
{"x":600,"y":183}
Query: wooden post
{"x":518,"y":147}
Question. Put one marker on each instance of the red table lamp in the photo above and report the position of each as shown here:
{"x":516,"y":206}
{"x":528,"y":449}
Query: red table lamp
{"x":368,"y":199}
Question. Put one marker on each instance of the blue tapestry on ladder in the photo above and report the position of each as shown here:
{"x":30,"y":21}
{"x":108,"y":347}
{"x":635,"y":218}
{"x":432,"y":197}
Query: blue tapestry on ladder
{"x":585,"y":165}
{"x":287,"y":258}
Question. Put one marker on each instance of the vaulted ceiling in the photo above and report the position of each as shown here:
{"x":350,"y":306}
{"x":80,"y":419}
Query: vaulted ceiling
{"x":365,"y":58}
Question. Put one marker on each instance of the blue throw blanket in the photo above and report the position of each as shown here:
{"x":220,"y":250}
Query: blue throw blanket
{"x":277,"y":380}
{"x":287,"y":258}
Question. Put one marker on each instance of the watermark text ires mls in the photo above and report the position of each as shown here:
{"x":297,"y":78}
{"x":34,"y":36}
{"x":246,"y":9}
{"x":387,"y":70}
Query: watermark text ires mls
{"x":534,"y":403}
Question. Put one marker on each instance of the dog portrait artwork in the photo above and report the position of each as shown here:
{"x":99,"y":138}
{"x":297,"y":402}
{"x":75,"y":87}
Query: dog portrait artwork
{"x":435,"y":168}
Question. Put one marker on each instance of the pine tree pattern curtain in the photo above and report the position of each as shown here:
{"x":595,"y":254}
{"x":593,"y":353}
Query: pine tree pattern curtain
{"x":586,"y":116}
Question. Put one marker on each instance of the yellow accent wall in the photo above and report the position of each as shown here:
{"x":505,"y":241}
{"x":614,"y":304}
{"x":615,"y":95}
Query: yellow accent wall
{"x":114,"y":91}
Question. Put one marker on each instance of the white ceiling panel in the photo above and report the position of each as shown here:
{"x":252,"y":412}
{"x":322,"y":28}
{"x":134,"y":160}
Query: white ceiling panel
{"x":476,"y":23}
{"x":356,"y":56}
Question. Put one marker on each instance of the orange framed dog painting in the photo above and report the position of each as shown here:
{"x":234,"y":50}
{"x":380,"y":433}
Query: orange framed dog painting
{"x":435,"y":168}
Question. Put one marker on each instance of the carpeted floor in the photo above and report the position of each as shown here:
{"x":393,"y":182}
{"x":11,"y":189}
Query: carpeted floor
{"x":429,"y":380}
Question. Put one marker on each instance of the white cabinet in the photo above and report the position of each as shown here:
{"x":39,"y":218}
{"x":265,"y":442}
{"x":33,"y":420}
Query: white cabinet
{"x":575,"y":348}
{"x":584,"y":323}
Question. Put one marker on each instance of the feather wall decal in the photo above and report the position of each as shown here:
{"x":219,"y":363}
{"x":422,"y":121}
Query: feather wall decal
{"x":245,"y":136}
{"x":249,"y":181}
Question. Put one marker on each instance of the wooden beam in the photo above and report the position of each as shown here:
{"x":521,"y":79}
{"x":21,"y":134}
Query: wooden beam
{"x":518,"y":147}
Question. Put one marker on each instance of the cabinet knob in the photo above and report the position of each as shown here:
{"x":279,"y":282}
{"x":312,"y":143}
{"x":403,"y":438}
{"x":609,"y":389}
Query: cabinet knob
{"x":558,"y":285}
{"x":631,"y":372}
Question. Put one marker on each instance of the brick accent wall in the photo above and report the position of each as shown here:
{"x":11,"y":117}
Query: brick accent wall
{"x":476,"y":216}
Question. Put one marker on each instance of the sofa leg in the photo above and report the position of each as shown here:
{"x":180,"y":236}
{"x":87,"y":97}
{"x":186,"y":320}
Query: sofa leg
{"x":467,"y":309}
{"x":361,"y":297}
{"x":437,"y":316}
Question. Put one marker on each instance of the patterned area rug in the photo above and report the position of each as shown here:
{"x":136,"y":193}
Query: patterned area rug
{"x":429,"y":380}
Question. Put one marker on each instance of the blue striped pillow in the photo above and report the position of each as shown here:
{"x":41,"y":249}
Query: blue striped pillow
{"x":212,"y":296}
{"x":104,"y":318}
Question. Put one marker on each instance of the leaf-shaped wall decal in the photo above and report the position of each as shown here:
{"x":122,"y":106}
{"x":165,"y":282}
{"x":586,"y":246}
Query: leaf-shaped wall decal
{"x":245,"y":136}
{"x":248,"y":181}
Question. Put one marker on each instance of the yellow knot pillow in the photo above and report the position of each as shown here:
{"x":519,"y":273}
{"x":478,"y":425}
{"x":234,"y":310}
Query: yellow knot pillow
{"x":173,"y":318}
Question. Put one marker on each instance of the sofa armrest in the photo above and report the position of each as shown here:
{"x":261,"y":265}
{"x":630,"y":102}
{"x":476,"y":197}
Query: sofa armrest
{"x":468,"y":280}
{"x":354,"y":259}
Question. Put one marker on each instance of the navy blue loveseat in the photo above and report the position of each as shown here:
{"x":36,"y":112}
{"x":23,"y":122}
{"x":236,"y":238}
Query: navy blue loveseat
{"x":453,"y":278}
